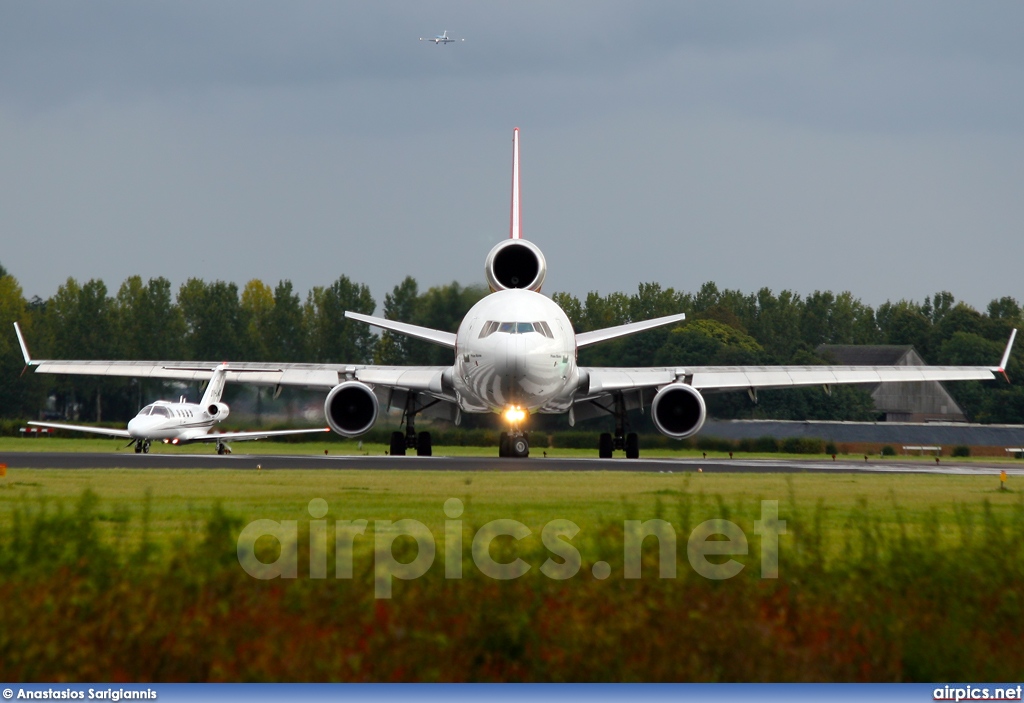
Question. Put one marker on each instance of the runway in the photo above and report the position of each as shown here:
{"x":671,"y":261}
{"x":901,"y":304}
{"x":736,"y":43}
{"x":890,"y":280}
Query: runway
{"x":71,"y":460}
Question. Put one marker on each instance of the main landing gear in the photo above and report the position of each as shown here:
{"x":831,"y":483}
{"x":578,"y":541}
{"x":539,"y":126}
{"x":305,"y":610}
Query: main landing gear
{"x":621,"y":440}
{"x":223,"y":448}
{"x":400,"y":442}
{"x":142,"y":446}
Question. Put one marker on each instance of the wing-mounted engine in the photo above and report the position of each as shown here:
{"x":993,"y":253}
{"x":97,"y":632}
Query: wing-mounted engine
{"x":218,"y":411}
{"x":515,"y":263}
{"x":351,"y":408}
{"x":678,"y":411}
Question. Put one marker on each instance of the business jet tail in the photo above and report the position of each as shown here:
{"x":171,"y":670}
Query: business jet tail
{"x":215,"y":389}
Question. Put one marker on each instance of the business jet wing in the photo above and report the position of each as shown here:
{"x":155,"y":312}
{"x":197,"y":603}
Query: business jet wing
{"x":123,"y":434}
{"x":243,"y":436}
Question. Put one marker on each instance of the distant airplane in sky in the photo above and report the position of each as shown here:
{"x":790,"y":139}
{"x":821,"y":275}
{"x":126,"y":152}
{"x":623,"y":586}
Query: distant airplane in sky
{"x":442,"y":38}
{"x":178,"y":423}
{"x":515,"y":355}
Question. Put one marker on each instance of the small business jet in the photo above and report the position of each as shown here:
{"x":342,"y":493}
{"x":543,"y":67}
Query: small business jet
{"x":179,"y":423}
{"x":442,"y":38}
{"x":514,"y":355}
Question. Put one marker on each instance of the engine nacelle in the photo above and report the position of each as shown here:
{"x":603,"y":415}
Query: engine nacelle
{"x":678,"y":411}
{"x":515,"y":263}
{"x":351,"y":408}
{"x":218,"y":411}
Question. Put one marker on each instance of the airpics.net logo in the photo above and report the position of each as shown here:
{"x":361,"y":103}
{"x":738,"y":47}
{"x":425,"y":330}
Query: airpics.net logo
{"x":717,"y":538}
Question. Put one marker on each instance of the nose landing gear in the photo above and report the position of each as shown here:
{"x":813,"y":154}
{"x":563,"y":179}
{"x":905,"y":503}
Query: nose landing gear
{"x":515,"y":444}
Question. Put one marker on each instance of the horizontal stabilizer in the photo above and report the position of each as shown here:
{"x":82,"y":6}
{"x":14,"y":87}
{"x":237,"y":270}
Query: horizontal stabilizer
{"x":585,"y":339}
{"x":444,"y":339}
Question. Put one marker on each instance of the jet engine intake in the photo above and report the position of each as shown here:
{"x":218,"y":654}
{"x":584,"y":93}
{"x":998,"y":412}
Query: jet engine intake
{"x":678,"y":411}
{"x":351,"y":408}
{"x":218,"y":411}
{"x":515,"y":263}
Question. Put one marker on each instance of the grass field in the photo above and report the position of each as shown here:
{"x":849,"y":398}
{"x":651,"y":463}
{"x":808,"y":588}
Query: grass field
{"x":353,"y":447}
{"x":132,"y":575}
{"x":180,"y":500}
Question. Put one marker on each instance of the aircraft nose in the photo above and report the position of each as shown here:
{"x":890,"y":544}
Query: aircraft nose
{"x":138,"y":426}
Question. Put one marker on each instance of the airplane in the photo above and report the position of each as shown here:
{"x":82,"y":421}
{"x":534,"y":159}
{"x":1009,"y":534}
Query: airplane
{"x":179,"y":423}
{"x":441,"y":39}
{"x":515,"y":355}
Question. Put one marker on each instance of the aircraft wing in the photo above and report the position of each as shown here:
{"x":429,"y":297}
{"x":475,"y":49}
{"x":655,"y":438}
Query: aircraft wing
{"x":313,"y":376}
{"x":726,"y":378}
{"x":243,"y":436}
{"x":319,"y":376}
{"x":428,"y":379}
{"x":123,"y":434}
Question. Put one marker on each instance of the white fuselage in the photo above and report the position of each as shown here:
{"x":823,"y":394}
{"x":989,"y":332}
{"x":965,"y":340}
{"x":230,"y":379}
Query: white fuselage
{"x":171,"y":421}
{"x":515,"y":348}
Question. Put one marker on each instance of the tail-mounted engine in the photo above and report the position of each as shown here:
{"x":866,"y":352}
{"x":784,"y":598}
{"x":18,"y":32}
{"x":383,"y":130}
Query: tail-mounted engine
{"x":218,"y":411}
{"x":351,"y":408}
{"x":678,"y":411}
{"x":515,"y":263}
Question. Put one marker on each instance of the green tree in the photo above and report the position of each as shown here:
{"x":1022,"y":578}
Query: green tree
{"x":400,"y":304}
{"x":213,"y":320}
{"x":287,"y":335}
{"x":334,"y":338}
{"x":257,"y":307}
{"x":22,"y":394}
{"x":83,"y":322}
{"x":572,"y":307}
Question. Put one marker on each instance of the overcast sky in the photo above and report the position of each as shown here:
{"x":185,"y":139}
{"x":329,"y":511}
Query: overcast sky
{"x":875,"y":147}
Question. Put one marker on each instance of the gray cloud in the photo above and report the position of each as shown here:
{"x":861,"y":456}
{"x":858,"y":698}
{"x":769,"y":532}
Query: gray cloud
{"x":867,"y":146}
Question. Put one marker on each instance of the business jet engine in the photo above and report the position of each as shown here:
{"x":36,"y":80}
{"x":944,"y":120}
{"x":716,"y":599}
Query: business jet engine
{"x":515,"y":263}
{"x":678,"y":411}
{"x":218,"y":411}
{"x":351,"y":408}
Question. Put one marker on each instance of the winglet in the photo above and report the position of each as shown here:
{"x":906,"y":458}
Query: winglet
{"x":515,"y":224}
{"x":1006,"y":356}
{"x":24,"y":347}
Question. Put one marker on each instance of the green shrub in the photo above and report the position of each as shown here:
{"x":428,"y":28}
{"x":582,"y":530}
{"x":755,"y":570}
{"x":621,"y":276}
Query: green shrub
{"x":888,"y":451}
{"x":802,"y":445}
{"x":961,"y":450}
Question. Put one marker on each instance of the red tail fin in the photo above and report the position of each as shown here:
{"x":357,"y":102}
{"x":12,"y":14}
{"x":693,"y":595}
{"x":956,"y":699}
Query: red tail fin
{"x":516,"y":225}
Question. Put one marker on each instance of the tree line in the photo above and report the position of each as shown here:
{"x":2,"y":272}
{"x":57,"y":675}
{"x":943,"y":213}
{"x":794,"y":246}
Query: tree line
{"x":214,"y":321}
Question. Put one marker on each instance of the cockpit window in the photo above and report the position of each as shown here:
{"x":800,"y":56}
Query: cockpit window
{"x":490,"y":327}
{"x":160,"y":410}
{"x":146,"y":410}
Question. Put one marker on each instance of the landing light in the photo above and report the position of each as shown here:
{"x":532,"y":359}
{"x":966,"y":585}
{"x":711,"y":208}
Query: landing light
{"x":514,"y":414}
